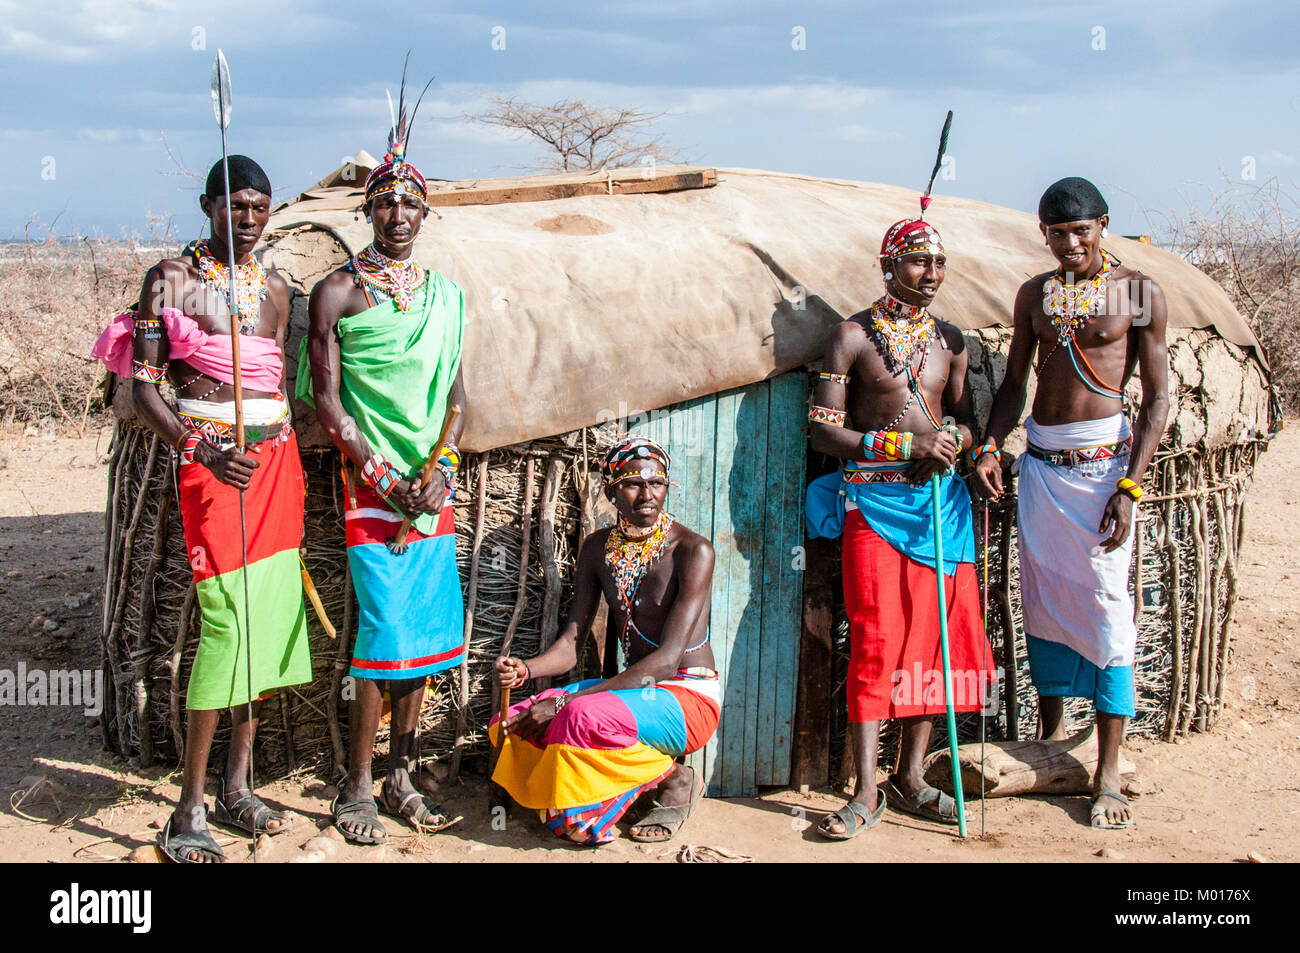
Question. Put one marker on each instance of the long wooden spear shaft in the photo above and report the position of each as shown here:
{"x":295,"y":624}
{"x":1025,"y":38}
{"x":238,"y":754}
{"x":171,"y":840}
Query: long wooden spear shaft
{"x":221,"y":108}
{"x":947,"y":663}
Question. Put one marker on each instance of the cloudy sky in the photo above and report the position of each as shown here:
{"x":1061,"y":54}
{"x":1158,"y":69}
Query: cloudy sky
{"x":1160,"y":103}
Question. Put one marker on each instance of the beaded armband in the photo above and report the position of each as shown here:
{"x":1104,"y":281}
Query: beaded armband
{"x":987,"y":447}
{"x":380,"y":474}
{"x":825,"y":415}
{"x":149,"y":373}
{"x":833,"y":378}
{"x":448,"y":463}
{"x":886,"y":445}
{"x":1131,"y":488}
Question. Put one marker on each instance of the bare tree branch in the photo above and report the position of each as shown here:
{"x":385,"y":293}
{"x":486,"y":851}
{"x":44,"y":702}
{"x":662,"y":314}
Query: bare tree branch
{"x":581,"y":136}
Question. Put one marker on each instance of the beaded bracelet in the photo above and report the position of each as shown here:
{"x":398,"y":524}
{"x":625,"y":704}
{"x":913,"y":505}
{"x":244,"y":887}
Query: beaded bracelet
{"x":956,"y":435}
{"x":561,"y":701}
{"x":988,"y":447}
{"x":448,"y":463}
{"x":380,"y":474}
{"x":189,"y":442}
{"x":1131,"y":488}
{"x":826,"y":415}
{"x":886,"y":445}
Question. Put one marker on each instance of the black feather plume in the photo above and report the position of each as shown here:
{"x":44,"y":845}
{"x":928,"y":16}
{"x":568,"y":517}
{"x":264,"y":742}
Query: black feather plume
{"x":938,"y":162}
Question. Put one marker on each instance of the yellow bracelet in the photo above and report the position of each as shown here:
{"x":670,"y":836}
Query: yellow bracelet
{"x":1131,"y":488}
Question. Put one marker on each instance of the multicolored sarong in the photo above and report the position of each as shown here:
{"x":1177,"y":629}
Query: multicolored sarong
{"x":412,"y":617}
{"x":1073,"y":593}
{"x":604,"y":749}
{"x":273,"y":513}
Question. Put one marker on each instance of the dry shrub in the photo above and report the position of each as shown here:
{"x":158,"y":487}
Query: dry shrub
{"x":59,"y":292}
{"x":1247,"y":238}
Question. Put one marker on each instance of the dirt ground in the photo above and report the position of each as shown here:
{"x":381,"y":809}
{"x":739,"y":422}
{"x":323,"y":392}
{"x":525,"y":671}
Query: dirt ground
{"x":1215,"y":797}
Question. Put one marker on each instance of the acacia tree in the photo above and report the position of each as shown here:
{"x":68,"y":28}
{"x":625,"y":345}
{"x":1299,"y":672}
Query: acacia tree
{"x":581,"y":136}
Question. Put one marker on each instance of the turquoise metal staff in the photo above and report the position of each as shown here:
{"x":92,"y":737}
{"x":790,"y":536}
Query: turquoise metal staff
{"x":947,"y":664}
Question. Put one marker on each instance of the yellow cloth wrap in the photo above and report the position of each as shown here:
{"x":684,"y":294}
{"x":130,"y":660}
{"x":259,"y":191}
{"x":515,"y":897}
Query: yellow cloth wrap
{"x":564,"y":776}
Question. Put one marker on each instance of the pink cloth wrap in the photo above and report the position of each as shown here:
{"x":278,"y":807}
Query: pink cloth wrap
{"x":261,"y":360}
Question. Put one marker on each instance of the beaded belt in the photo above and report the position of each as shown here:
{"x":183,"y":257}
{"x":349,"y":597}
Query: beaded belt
{"x":222,"y":433}
{"x":877,"y":475}
{"x":1081,"y":455}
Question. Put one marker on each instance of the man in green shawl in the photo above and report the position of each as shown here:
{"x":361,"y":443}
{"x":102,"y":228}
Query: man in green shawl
{"x":384,"y":347}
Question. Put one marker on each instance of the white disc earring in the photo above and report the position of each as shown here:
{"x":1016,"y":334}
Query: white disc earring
{"x":889,"y":275}
{"x":1105,"y":233}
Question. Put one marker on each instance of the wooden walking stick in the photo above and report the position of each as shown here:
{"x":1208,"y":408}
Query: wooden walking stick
{"x":397,"y":544}
{"x":947,"y":663}
{"x":503,"y":702}
{"x":221,"y":108}
{"x":313,"y":597}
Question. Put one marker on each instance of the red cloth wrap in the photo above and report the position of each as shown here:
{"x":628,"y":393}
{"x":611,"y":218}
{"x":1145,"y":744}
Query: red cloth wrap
{"x":895,"y":660}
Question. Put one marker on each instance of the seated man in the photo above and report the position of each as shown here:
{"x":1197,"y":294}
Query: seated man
{"x":583,"y":754}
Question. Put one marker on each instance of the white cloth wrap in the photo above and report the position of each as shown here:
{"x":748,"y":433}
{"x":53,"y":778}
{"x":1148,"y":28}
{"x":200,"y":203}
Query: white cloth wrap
{"x":1071,"y":591}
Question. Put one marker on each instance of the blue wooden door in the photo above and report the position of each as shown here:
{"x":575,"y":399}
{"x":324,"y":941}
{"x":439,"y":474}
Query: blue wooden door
{"x":739,"y":459}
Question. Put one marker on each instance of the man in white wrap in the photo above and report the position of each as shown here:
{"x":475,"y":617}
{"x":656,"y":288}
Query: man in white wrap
{"x":1092,"y":320}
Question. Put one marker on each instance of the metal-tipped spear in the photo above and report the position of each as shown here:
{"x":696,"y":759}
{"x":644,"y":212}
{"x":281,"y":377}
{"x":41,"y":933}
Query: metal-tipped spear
{"x":221,"y":106}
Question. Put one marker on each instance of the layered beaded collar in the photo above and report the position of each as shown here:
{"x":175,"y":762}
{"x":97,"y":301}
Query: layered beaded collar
{"x":901,"y":330}
{"x":397,"y":279}
{"x":250,"y":284}
{"x":629,"y":553}
{"x":1069,"y":306}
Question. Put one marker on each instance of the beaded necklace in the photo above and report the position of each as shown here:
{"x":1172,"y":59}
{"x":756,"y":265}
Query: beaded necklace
{"x":1070,"y":306}
{"x":629,"y":557}
{"x":398,"y":279}
{"x":250,"y":284}
{"x":900,"y":330}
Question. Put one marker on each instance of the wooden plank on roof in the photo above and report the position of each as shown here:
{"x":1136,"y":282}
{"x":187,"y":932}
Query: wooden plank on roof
{"x":548,"y":188}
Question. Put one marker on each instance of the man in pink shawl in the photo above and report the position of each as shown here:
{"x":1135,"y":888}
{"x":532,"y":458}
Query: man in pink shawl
{"x":181,"y":335}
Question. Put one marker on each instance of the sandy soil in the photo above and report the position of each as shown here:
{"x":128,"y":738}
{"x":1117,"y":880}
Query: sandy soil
{"x":1215,"y":797}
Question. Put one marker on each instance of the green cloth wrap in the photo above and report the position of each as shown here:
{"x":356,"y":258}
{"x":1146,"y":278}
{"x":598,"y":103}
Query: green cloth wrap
{"x":396,"y":373}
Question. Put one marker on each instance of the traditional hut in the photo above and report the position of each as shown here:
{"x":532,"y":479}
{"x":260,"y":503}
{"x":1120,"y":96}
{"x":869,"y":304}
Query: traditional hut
{"x":690,"y":303}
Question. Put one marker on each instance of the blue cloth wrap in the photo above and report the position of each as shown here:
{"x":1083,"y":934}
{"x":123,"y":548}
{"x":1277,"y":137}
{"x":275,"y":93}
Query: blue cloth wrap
{"x":900,"y":513}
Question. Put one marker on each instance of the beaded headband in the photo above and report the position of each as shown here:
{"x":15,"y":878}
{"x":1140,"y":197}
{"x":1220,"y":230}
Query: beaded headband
{"x":632,"y":448}
{"x":908,"y":236}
